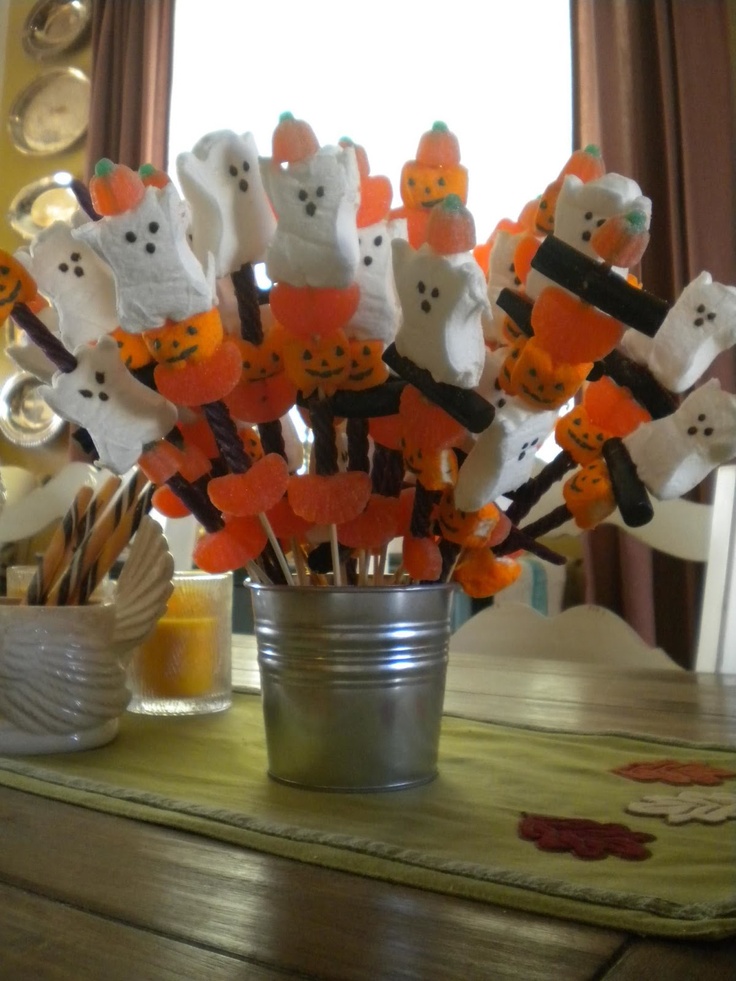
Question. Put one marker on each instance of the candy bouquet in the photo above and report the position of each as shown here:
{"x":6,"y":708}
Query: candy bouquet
{"x":428,"y":367}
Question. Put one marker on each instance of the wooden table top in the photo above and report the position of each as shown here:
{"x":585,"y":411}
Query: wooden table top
{"x":90,"y":896}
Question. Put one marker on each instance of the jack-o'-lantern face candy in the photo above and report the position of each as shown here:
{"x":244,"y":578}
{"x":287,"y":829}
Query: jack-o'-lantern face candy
{"x":16,"y":285}
{"x":576,"y":433}
{"x":589,"y":494}
{"x":313,"y":363}
{"x":542,"y":382}
{"x":436,"y":171}
{"x":435,"y":469}
{"x":187,"y":341}
{"x":132,"y":349}
{"x":471,"y":529}
{"x":367,"y":367}
{"x":265,"y":360}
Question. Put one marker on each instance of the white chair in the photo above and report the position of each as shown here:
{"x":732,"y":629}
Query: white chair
{"x":684,"y":529}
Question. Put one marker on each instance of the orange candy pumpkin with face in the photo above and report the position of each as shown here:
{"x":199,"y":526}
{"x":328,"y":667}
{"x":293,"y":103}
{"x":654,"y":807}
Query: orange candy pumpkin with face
{"x":539,"y":380}
{"x":482,"y":574}
{"x":471,"y":529}
{"x":16,"y":285}
{"x":588,"y":494}
{"x":435,"y":469}
{"x":186,"y":341}
{"x":264,"y":360}
{"x":367,"y":367}
{"x":132,"y":349}
{"x":317,"y":362}
{"x":607,"y":410}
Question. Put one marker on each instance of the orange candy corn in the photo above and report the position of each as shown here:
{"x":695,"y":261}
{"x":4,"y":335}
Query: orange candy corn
{"x":329,"y":500}
{"x":252,"y":492}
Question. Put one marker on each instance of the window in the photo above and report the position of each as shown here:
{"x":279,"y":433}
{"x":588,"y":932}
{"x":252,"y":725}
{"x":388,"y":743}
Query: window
{"x":498,"y":74}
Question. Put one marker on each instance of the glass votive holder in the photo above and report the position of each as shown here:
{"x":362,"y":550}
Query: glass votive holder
{"x":185,"y":666}
{"x":17,"y":580}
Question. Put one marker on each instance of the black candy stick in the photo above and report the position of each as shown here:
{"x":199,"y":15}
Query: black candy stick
{"x":648,"y":392}
{"x":628,"y":489}
{"x":465,"y":405}
{"x":84,"y":198}
{"x":596,"y":283}
{"x":519,"y":308}
{"x":528,"y":494}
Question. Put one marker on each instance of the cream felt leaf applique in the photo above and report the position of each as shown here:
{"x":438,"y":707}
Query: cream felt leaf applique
{"x":712,"y":807}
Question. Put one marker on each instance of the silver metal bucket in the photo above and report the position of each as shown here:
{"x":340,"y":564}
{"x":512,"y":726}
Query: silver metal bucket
{"x":353,"y":683}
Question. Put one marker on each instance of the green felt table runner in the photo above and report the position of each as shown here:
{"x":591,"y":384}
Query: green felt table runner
{"x":458,"y":834}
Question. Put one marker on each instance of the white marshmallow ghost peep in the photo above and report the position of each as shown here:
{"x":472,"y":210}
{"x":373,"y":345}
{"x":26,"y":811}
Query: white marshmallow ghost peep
{"x":377,"y":315}
{"x":157,"y":276}
{"x":231,"y":215}
{"x":121,"y":415}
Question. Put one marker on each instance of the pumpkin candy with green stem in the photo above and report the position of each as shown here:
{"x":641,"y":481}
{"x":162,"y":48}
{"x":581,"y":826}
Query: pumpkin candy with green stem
{"x":115,"y":188}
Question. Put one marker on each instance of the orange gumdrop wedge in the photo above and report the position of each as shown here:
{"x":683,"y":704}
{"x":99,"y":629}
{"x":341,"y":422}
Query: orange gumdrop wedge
{"x":253,"y":492}
{"x":198,"y":433}
{"x":613,"y":408}
{"x":209,"y":380}
{"x":426,"y":424}
{"x":523,"y":255}
{"x":376,"y":194}
{"x":261,"y":401}
{"x":386,"y":430}
{"x":329,"y":500}
{"x":195,"y":463}
{"x":421,"y":558}
{"x":161,"y":462}
{"x":240,"y":541}
{"x":573,"y":332}
{"x":374,"y":527}
{"x":285,"y":522}
{"x":166,"y":502}
{"x":482,"y":574}
{"x":307,"y":311}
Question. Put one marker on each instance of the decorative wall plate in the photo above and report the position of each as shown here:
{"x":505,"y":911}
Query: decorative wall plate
{"x":51,"y":114}
{"x":25,"y":418}
{"x":55,"y":26}
{"x":38,"y":205}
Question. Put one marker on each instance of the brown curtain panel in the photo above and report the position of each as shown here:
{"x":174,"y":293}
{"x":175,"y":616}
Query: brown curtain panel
{"x":132,"y":52}
{"x":654,"y":88}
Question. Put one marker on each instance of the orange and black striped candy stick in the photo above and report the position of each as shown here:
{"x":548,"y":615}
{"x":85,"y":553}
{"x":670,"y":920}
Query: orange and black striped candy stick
{"x":65,"y":590}
{"x":59,"y":548}
{"x":114,"y":545}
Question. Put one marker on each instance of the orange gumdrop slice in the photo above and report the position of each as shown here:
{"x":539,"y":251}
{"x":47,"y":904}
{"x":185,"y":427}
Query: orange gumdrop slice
{"x":421,"y":558}
{"x":482,"y":574}
{"x":425,"y":424}
{"x":376,"y":195}
{"x":523,"y":255}
{"x":198,"y":433}
{"x":386,"y":430}
{"x":284,"y":522}
{"x":573,"y":331}
{"x":406,"y":509}
{"x":230,"y":548}
{"x":166,"y":502}
{"x":307,"y":311}
{"x":201,"y":382}
{"x":161,"y":462}
{"x":612,"y":407}
{"x":252,"y":492}
{"x":261,"y":401}
{"x":194,"y":464}
{"x":329,"y":500}
{"x":374,"y":527}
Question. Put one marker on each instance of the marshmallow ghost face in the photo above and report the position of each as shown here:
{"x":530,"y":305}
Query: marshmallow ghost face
{"x":157,"y":276}
{"x":672,"y":455}
{"x":121,"y":415}
{"x":377,"y":314}
{"x":700,"y":325}
{"x":77,"y":282}
{"x":231,"y":216}
{"x":502,"y":458}
{"x":316,"y":203}
{"x":443,"y":303}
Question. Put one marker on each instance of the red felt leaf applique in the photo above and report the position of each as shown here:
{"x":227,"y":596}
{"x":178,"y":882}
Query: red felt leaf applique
{"x":675,"y":773}
{"x":586,"y":839}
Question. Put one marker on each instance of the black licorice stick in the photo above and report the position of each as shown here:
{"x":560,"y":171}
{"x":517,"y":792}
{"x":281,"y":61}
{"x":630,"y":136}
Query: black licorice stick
{"x":464,"y":405}
{"x":38,"y":332}
{"x":370,"y":403}
{"x":519,"y":539}
{"x":648,"y":392}
{"x":628,"y":489}
{"x":525,"y":497}
{"x":596,"y":283}
{"x":84,"y":198}
{"x":519,"y":308}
